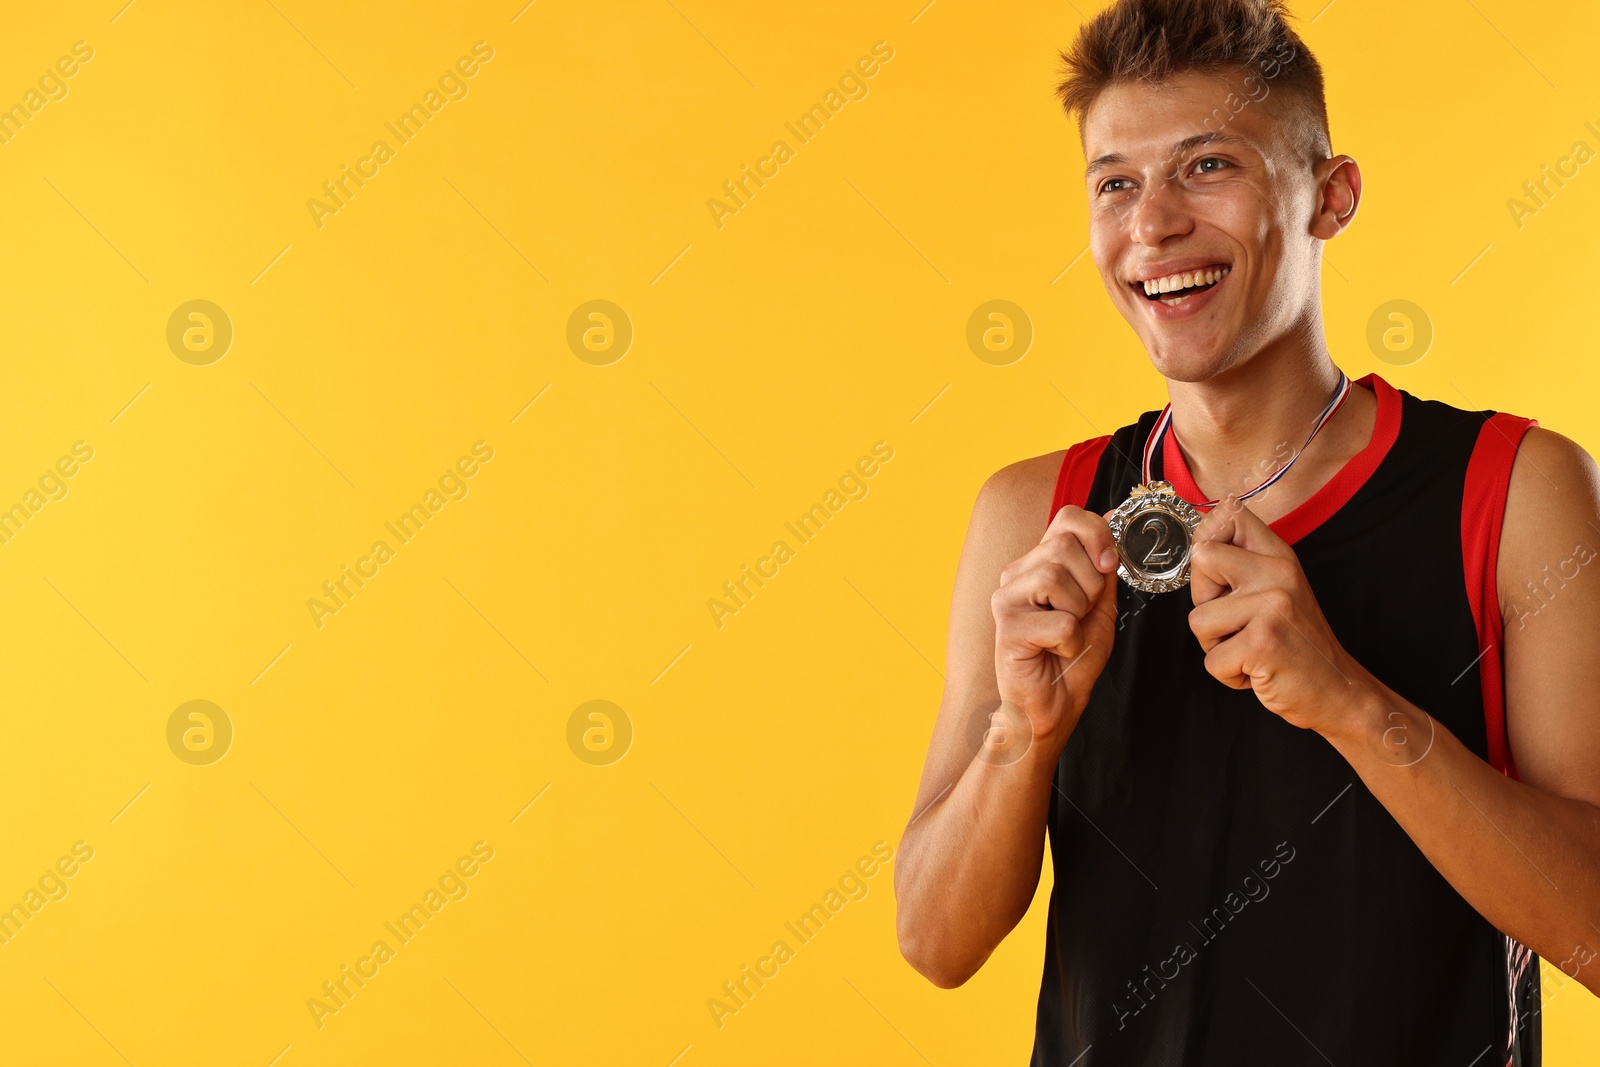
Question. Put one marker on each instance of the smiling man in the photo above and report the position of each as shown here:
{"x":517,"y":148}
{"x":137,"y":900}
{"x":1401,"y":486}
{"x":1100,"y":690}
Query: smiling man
{"x":1297,"y":674}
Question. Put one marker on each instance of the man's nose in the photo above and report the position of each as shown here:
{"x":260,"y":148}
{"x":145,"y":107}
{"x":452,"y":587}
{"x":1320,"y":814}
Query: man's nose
{"x":1160,"y":213}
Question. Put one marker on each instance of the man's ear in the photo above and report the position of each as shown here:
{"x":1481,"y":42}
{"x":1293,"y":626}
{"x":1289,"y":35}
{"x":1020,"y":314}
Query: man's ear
{"x":1338,"y":196}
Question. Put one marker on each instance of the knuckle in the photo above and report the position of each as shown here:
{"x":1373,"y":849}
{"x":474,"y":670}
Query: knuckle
{"x":1060,"y":541}
{"x":1015,"y":567}
{"x":1068,"y":637}
{"x":1064,"y":518}
{"x":1279,"y":599}
{"x":1095,"y":527}
{"x":1266,"y":640}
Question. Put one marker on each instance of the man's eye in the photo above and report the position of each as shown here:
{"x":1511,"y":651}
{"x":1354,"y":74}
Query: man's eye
{"x":1113,"y":185}
{"x":1205,"y":166}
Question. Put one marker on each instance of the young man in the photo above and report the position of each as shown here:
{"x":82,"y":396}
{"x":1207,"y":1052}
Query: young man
{"x":1331,"y":799}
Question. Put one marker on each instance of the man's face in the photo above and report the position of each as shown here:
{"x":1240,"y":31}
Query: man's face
{"x":1201,"y":176}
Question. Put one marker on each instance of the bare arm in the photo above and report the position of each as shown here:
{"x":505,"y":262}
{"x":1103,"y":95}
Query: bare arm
{"x":1024,"y":609}
{"x":1525,"y":854}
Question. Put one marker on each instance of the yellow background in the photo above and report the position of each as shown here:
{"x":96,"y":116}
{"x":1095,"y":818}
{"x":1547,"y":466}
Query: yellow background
{"x":768,"y":355}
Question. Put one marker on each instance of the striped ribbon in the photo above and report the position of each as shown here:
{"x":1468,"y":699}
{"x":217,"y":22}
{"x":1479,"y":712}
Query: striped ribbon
{"x":1164,"y":423}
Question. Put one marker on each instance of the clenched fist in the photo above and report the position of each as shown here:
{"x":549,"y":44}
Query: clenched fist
{"x":1055,"y":615}
{"x":1261,"y":627}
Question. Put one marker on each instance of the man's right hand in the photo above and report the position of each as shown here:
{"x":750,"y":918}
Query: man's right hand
{"x":1055,"y":616}
{"x":1022,"y":610}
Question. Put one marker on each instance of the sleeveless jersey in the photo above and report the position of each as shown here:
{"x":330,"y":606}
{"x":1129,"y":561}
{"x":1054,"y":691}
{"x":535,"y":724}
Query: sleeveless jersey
{"x":1227,"y":890}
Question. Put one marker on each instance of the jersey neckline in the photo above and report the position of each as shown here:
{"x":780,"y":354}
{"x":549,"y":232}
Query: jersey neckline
{"x":1332,"y":494}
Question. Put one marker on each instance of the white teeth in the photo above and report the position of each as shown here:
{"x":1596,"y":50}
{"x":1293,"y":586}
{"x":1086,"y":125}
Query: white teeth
{"x":1183,"y":280}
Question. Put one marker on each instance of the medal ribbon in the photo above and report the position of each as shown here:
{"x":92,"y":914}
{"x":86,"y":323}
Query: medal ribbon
{"x":1164,"y":423}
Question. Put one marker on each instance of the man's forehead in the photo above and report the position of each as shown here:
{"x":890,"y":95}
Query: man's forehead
{"x":1136,"y":120}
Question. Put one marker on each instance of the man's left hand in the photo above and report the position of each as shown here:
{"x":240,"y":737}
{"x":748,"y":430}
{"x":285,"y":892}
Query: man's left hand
{"x":1260,"y":625}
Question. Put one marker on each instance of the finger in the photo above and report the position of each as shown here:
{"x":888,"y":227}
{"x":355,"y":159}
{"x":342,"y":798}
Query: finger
{"x":1217,"y":620}
{"x":1232,"y":522}
{"x":1048,"y":585}
{"x":1050,"y":631}
{"x":1065,"y":549}
{"x":1225,"y":663}
{"x":1091,"y":530}
{"x":1217,"y":567}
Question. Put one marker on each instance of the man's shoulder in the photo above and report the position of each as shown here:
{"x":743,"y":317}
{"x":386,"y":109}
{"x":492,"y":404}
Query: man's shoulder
{"x":1553,"y":497}
{"x":1024,"y":487}
{"x":1543,"y":447}
{"x":1023,"y":492}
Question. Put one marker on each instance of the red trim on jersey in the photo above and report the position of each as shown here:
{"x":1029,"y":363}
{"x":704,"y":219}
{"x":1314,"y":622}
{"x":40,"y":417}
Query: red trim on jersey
{"x":1077,"y":474}
{"x":1335,"y":492}
{"x":1483,"y":508}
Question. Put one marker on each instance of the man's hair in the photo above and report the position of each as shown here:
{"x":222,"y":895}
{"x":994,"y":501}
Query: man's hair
{"x":1155,"y":40}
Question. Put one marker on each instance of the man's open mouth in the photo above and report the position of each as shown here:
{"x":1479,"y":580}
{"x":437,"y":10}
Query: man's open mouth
{"x":1174,"y":289}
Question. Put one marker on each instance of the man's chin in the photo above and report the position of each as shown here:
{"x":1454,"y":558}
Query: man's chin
{"x":1188,"y":363}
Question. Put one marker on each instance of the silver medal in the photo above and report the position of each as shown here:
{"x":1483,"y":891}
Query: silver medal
{"x":1154,"y":532}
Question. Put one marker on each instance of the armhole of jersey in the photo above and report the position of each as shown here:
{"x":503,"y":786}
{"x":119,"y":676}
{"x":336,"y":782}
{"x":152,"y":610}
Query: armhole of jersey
{"x":1077,"y":475}
{"x":1483,"y":509}
{"x":1078,"y":469}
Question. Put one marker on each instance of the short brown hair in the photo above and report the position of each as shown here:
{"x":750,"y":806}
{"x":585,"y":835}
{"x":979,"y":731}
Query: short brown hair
{"x":1153,"y":40}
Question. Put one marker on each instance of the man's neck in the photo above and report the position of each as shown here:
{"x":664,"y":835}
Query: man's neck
{"x":1237,"y":428}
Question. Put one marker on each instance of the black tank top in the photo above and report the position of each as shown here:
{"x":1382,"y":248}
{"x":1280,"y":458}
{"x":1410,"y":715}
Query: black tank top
{"x":1227,"y":890}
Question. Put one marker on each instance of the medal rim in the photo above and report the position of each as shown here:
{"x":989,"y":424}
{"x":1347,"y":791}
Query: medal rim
{"x":1154,"y":496}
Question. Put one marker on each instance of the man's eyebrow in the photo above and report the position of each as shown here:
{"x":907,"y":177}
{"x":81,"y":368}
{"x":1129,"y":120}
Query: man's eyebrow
{"x":1112,"y":159}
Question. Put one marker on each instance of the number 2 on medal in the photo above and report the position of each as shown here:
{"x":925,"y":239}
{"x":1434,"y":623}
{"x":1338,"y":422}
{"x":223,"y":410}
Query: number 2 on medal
{"x":1157,"y":553}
